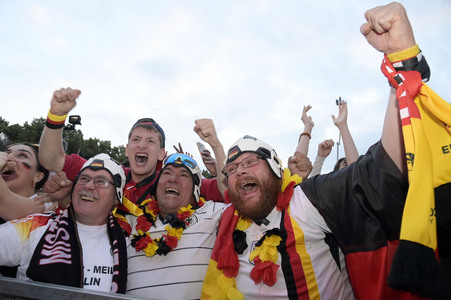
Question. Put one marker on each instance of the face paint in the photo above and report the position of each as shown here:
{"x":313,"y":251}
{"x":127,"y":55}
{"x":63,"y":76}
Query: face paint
{"x":27,"y":166}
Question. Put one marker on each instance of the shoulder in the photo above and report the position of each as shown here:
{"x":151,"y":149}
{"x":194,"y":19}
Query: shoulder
{"x":212,"y":206}
{"x":31,"y":223}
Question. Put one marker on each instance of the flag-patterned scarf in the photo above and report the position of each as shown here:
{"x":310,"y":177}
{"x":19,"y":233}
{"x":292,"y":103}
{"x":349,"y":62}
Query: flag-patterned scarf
{"x":426,"y":120}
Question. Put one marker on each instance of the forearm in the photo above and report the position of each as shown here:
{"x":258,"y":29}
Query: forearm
{"x":351,"y":152}
{"x":317,"y":165}
{"x":304,"y":140}
{"x":218,"y":151}
{"x":51,"y":151}
{"x":14,"y":206}
{"x":392,"y":137}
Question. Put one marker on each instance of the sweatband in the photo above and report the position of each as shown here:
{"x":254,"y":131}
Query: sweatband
{"x":54,"y":121}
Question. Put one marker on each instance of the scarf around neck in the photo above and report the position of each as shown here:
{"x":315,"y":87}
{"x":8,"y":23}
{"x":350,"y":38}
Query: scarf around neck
{"x":58,"y":256}
{"x":224,"y":264}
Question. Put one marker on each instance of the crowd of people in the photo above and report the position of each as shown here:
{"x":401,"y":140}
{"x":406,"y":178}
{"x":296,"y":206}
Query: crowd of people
{"x":155,"y":228}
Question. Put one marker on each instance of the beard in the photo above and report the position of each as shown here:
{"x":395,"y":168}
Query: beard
{"x":269,"y":187}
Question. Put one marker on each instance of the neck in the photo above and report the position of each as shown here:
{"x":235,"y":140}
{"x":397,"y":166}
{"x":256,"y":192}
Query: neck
{"x":137,"y":178}
{"x":25,"y":191}
{"x":90,"y":222}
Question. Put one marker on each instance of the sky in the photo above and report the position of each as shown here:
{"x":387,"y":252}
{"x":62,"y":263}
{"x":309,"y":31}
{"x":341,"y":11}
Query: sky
{"x":250,"y":66}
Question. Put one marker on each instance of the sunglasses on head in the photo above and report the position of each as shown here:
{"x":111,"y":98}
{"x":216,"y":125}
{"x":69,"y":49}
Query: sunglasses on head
{"x":181,"y":159}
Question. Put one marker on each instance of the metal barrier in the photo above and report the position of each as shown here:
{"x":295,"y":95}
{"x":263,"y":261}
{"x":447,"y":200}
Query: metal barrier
{"x":14,"y":289}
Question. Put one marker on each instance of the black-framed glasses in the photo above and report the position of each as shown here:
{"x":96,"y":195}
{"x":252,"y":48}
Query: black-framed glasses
{"x":248,"y":162}
{"x":99,"y":181}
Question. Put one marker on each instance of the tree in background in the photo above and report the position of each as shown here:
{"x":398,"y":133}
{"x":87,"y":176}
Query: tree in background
{"x":10,"y":134}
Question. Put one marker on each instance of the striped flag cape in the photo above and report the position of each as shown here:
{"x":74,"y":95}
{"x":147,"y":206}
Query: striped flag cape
{"x":420,"y":261}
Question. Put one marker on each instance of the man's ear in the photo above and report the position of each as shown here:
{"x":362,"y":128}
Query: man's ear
{"x":162,"y":154}
{"x":126,"y":150}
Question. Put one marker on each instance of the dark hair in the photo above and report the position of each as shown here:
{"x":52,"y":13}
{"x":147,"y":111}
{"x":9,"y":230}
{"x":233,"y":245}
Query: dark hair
{"x":149,"y":124}
{"x":337,"y":164}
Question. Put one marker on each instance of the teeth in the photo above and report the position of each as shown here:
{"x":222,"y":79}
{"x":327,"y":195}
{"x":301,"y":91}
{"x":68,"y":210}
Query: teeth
{"x":141,"y":155}
{"x":170,"y":190}
{"x":245,"y":184}
{"x":86,"y":198}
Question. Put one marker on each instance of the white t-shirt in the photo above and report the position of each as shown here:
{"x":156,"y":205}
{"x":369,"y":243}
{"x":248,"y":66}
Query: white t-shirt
{"x":97,"y":257}
{"x":180,"y":274}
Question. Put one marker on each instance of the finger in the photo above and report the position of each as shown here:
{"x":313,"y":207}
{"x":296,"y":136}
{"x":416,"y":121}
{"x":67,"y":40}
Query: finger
{"x":365,"y":29}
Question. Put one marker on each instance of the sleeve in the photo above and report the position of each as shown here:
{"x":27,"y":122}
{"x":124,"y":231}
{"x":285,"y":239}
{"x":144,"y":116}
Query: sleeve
{"x":317,"y":166}
{"x":363,"y":203}
{"x":10,"y":245}
{"x":209,"y":190}
{"x":73,"y":165}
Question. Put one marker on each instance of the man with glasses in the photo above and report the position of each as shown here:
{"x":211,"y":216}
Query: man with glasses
{"x":83,"y":246}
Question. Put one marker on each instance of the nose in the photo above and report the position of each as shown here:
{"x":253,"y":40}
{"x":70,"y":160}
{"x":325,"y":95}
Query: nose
{"x":173,"y":177}
{"x":142,"y":143}
{"x":90,"y":184}
{"x":240,"y":169}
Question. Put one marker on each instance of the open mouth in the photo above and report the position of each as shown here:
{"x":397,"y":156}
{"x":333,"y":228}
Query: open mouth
{"x":85,"y":196}
{"x":172,"y":192}
{"x":141,"y":159}
{"x":248,"y":187}
{"x":8,"y":173}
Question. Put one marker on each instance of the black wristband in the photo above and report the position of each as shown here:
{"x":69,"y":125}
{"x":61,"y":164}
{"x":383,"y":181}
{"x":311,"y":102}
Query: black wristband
{"x":54,"y":126}
{"x":417,"y":63}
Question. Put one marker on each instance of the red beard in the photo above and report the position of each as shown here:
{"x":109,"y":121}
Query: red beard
{"x":269,"y":187}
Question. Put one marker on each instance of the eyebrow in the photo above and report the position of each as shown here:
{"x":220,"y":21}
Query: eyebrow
{"x":19,"y":150}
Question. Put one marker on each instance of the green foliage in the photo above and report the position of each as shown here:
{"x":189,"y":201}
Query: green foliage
{"x":15,"y":133}
{"x":206,"y":174}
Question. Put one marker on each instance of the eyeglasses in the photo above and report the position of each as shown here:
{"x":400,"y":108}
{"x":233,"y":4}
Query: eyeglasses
{"x":181,"y":159}
{"x":100,"y":182}
{"x":248,"y":162}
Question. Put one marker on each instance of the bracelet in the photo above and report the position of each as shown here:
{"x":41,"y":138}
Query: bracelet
{"x":54,"y":121}
{"x":305,"y":133}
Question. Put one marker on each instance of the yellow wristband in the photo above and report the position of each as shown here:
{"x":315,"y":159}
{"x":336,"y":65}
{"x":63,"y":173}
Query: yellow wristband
{"x":56,"y":118}
{"x":404,"y":54}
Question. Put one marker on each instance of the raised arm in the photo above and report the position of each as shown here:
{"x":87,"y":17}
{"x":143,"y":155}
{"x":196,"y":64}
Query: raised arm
{"x":304,"y":138}
{"x":51,"y":153}
{"x":324,"y":149}
{"x":341,"y":121}
{"x":389,"y":31}
{"x":207,"y":132}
